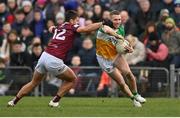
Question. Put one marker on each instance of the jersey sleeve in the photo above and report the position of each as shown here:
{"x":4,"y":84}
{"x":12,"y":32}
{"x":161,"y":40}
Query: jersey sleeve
{"x":75,"y":27}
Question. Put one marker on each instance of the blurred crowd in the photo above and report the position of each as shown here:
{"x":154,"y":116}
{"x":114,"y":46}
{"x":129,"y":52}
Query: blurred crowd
{"x":153,"y":25}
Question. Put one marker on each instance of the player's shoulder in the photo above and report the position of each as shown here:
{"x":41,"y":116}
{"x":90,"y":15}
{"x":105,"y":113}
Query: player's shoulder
{"x":70,"y":26}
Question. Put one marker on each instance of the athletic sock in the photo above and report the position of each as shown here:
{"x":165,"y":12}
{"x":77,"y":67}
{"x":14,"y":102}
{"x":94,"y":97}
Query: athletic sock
{"x":16,"y":99}
{"x":132,"y":97}
{"x":56,"y":98}
{"x":135,"y":93}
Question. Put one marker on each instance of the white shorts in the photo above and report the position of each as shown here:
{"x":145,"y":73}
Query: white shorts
{"x":106,"y":65}
{"x":51,"y":64}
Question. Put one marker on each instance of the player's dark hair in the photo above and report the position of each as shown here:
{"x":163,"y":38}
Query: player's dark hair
{"x":108,"y":23}
{"x":114,"y":12}
{"x":71,"y":14}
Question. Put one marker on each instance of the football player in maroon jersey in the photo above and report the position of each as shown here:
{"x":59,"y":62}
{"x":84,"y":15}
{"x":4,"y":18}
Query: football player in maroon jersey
{"x":52,"y":58}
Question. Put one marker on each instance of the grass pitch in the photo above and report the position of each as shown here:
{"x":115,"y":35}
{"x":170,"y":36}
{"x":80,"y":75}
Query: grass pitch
{"x":90,"y":107}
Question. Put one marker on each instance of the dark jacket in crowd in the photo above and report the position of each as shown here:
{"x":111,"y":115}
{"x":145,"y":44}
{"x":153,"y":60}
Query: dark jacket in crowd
{"x":20,"y":59}
{"x":88,"y":57}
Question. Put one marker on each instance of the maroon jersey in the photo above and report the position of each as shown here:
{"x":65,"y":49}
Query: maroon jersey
{"x":62,"y":40}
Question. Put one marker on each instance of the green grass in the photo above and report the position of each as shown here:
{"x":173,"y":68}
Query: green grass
{"x":104,"y":107}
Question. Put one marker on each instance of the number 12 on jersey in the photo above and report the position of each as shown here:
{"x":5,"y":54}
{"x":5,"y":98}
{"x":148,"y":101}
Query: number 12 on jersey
{"x":59,"y":35}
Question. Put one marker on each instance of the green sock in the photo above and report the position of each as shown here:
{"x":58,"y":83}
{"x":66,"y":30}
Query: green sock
{"x":132,"y":97}
{"x":135,"y":93}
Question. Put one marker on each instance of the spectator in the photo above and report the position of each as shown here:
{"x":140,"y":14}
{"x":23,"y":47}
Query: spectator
{"x":28,"y":11}
{"x":88,"y":7}
{"x":176,"y":14}
{"x":38,"y":24}
{"x":46,"y":34}
{"x":157,"y":56}
{"x":75,"y":63}
{"x":60,"y":18}
{"x":106,"y":15}
{"x":41,"y":5}
{"x":156,"y":7}
{"x":133,"y":8}
{"x":105,"y":4}
{"x":144,"y":15}
{"x":157,"y":52}
{"x":19,"y":22}
{"x":3,"y":16}
{"x":129,"y":25}
{"x":139,"y":54}
{"x":26,"y":36}
{"x":118,"y":5}
{"x":150,"y":27}
{"x":82,"y":15}
{"x":164,"y":13}
{"x":88,"y":53}
{"x":12,"y":7}
{"x":36,"y":53}
{"x":17,"y":57}
{"x":35,"y":41}
{"x":6,"y":47}
{"x":167,"y":4}
{"x":88,"y":58}
{"x":7,"y":43}
{"x":52,"y":9}
{"x":6,"y":30}
{"x":171,"y":38}
{"x":97,"y":13}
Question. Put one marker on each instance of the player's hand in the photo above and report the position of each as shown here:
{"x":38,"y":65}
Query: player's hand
{"x":51,"y":28}
{"x":108,"y":23}
{"x":121,"y":37}
{"x":129,"y":49}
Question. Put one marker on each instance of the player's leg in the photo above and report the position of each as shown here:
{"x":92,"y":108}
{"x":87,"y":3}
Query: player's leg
{"x":116,"y":75}
{"x":69,"y":78}
{"x":123,"y":66}
{"x":37,"y":77}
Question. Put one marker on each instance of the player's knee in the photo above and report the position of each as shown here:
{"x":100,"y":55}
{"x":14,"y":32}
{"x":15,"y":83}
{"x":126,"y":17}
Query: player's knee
{"x":128,"y":74}
{"x":33,"y":84}
{"x":72,"y":79}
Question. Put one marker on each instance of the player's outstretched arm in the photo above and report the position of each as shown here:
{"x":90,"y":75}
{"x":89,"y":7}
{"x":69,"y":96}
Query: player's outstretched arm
{"x":89,"y":28}
{"x":110,"y":31}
